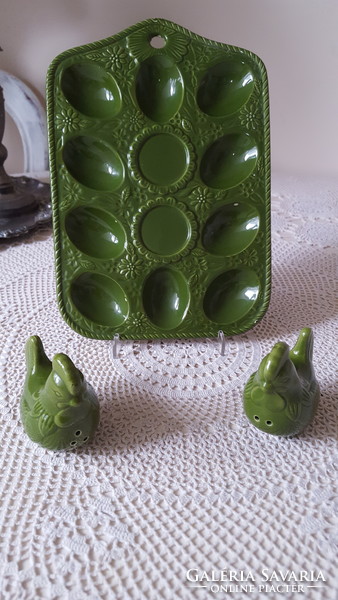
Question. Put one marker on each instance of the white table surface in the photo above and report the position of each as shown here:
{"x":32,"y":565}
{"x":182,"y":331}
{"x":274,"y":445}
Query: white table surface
{"x":176,"y":478}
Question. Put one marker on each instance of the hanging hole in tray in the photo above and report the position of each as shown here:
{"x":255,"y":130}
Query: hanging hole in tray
{"x":157,"y":41}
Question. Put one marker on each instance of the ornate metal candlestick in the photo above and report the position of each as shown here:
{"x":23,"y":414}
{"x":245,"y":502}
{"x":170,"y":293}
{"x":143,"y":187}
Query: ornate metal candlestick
{"x":24,"y":202}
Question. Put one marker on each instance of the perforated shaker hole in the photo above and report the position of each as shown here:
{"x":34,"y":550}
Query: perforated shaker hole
{"x":269,"y":423}
{"x":73,"y":443}
{"x":157,"y":41}
{"x":256,"y":418}
{"x":78,"y":432}
{"x":85,"y":438}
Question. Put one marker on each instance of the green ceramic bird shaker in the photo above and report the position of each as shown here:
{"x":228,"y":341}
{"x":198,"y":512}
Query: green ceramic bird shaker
{"x":281,"y":397}
{"x":59,"y":409}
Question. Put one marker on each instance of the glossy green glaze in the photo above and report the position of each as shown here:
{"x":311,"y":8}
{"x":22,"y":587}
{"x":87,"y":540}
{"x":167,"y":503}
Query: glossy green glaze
{"x":229,"y":161}
{"x":231,"y":229}
{"x":93,"y":163}
{"x":160,"y":179}
{"x":59,"y":409}
{"x":231,"y":295}
{"x":105,"y":237}
{"x":166,"y":298}
{"x":165,"y":230}
{"x":159,"y":88}
{"x":282,"y":396}
{"x":91,"y":90}
{"x":99,"y":298}
{"x":225,"y":87}
{"x":163,"y":159}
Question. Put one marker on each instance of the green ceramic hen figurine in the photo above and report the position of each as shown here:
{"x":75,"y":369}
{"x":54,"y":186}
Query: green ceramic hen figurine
{"x":59,"y":409}
{"x":282,"y":396}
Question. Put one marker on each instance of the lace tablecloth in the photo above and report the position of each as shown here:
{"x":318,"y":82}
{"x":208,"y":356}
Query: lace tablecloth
{"x":177,"y":489}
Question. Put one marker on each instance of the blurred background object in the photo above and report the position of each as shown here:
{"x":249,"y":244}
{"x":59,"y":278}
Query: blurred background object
{"x":24,"y":201}
{"x":29,"y":116}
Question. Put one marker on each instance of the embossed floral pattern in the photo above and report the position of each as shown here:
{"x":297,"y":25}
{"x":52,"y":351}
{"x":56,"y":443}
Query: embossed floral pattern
{"x":201,"y":198}
{"x":139,"y":321}
{"x":71,"y":190}
{"x":249,"y":188}
{"x":250,"y":117}
{"x":67,"y":120}
{"x":196,"y":63}
{"x":87,"y":265}
{"x":131,"y":266}
{"x":194,"y":265}
{"x":249,"y":257}
{"x":126,"y":200}
{"x":133,"y":122}
{"x":113,"y":57}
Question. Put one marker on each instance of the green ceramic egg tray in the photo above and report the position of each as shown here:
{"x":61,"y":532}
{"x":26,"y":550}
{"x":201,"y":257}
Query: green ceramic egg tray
{"x":160,"y":176}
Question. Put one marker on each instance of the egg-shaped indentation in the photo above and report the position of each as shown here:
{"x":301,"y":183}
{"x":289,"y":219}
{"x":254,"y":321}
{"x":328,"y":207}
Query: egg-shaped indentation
{"x":100,"y":299}
{"x":230,"y":229}
{"x":229,"y":161}
{"x":163,"y":159}
{"x":93,"y":163}
{"x":166,"y":298}
{"x":225,"y":87}
{"x":95,"y":232}
{"x":91,"y":90}
{"x":159,"y":88}
{"x":165,"y":230}
{"x":231,"y":295}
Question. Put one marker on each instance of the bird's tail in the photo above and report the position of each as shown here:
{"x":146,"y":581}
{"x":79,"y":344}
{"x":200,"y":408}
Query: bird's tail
{"x":37,"y":363}
{"x":301,"y":353}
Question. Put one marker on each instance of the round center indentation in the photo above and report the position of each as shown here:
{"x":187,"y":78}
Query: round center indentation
{"x":163,"y":159}
{"x":165,"y":230}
